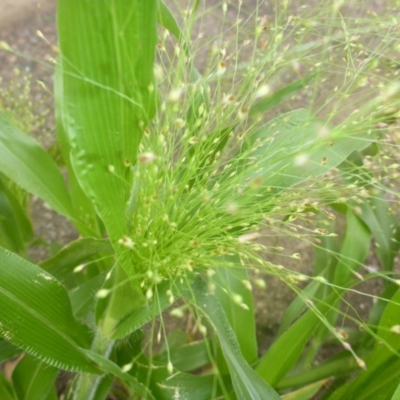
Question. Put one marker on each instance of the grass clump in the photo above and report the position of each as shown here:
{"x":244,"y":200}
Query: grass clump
{"x":269,"y":126}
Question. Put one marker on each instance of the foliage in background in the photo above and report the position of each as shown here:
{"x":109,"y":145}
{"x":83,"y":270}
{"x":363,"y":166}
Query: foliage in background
{"x":16,"y":101}
{"x":181,"y":179}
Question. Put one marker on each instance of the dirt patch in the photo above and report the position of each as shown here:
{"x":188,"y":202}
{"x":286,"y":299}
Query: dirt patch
{"x":15,"y":11}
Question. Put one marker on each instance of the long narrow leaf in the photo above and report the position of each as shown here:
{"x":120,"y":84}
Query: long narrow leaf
{"x":36,"y":315}
{"x":81,"y":297}
{"x":290,"y":149}
{"x":396,"y":395}
{"x":187,"y":357}
{"x":26,"y":163}
{"x":168,"y":20}
{"x":285,"y":351}
{"x":75,"y":253}
{"x":231,"y":282}
{"x":82,"y":204}
{"x":7,"y":350}
{"x":277,"y":362}
{"x":13,"y":218}
{"x":354,"y":250}
{"x":378,"y":384}
{"x":306,"y":392}
{"x":10,"y":234}
{"x":108,"y":366}
{"x":247,"y":384}
{"x":383,"y":224}
{"x":6,"y":390}
{"x":342,"y":364}
{"x":33,"y":379}
{"x":193,"y":387}
{"x":280,"y":95}
{"x":141,"y":315}
{"x":108,"y":95}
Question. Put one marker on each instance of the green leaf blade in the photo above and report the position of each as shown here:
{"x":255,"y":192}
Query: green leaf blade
{"x":36,"y":315}
{"x":106,"y":102}
{"x":280,"y":95}
{"x":285,"y":351}
{"x":6,"y":390}
{"x":241,"y":320}
{"x":354,"y":250}
{"x":292,"y":150}
{"x":396,"y":394}
{"x":75,"y":253}
{"x":247,"y":384}
{"x":15,"y":225}
{"x":24,"y":162}
{"x":33,"y":379}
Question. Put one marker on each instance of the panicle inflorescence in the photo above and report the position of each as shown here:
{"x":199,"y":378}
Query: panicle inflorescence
{"x":201,"y":192}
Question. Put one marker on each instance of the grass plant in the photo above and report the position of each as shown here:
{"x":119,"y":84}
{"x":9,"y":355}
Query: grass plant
{"x":191,"y":148}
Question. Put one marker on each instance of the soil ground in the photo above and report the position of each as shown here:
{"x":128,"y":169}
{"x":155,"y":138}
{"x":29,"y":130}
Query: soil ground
{"x":12,"y":11}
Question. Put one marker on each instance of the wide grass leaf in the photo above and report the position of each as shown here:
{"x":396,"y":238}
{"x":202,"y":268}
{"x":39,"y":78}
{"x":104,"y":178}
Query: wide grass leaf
{"x":187,"y":357}
{"x":377,"y":384}
{"x":396,"y":395}
{"x":186,"y":386}
{"x":277,"y":362}
{"x":383,"y":224}
{"x":247,"y":384}
{"x":108,"y":95}
{"x":33,"y":379}
{"x":354,"y":250}
{"x":13,"y":221}
{"x":293,"y":147}
{"x":280,"y":95}
{"x":6,"y":390}
{"x":168,"y":21}
{"x":75,"y":253}
{"x":286,"y":350}
{"x":108,"y":366}
{"x":104,"y":387}
{"x":342,"y":364}
{"x":383,"y":373}
{"x":7,"y":350}
{"x":36,"y":315}
{"x":230,"y":282}
{"x":26,"y":163}
{"x":141,"y":315}
{"x":82,"y":204}
{"x":107,"y":99}
{"x":306,"y":392}
{"x":81,"y":297}
{"x":16,"y":220}
{"x":391,"y":341}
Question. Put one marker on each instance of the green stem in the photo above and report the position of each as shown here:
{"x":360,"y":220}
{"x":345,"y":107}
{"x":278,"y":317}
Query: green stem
{"x":87,"y":384}
{"x":125,"y":297}
{"x":331,"y":368}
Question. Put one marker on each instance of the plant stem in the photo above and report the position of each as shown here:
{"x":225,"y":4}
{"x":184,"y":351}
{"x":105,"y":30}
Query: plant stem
{"x":118,"y":306}
{"x":87,"y":384}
